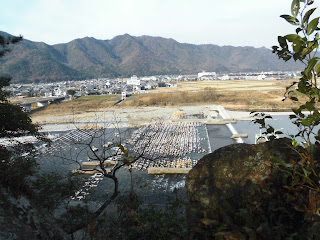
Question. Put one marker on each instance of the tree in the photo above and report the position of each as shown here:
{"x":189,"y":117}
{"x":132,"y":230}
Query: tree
{"x":71,"y":92}
{"x":102,"y":148}
{"x":5,"y":43}
{"x":17,"y":162}
{"x":286,"y":200}
{"x":18,"y":166}
{"x":297,"y":181}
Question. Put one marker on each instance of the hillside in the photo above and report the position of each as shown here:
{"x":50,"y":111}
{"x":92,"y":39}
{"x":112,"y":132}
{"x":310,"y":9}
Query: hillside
{"x":126,"y":55}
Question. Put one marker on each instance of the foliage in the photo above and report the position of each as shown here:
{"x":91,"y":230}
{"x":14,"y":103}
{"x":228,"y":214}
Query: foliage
{"x":51,"y":189}
{"x":14,"y":121}
{"x":126,"y":55}
{"x":18,"y":166}
{"x":71,"y":92}
{"x":77,"y":215}
{"x":289,"y":198}
{"x":17,"y":161}
{"x":304,"y":48}
{"x":135,"y":220}
{"x":5,"y":43}
{"x":15,"y":168}
{"x":270,"y":133}
{"x":274,"y":209}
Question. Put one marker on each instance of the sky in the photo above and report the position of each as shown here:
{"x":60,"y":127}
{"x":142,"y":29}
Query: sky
{"x":222,"y":22}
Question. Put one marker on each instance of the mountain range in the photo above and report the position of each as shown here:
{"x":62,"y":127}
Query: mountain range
{"x":127,"y":55}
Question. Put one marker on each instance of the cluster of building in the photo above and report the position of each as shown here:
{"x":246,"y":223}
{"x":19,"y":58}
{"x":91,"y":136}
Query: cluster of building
{"x":248,"y":76}
{"x":129,"y":85}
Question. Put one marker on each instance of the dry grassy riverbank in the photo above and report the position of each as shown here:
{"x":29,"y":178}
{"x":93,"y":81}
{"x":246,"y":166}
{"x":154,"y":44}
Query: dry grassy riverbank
{"x":190,"y":97}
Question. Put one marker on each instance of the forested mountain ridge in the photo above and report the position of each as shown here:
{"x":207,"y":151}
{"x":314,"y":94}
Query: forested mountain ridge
{"x":126,"y":55}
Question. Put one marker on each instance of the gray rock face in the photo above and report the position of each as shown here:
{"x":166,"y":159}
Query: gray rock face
{"x":227,"y":177}
{"x":20,"y":219}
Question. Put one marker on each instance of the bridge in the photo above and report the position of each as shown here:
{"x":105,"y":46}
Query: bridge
{"x":41,"y":102}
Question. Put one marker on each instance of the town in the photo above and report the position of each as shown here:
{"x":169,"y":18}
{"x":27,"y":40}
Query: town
{"x":128,"y":86}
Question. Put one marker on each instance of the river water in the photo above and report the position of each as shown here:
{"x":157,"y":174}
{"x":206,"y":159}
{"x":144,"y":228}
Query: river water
{"x":155,"y":189}
{"x":278,"y":122}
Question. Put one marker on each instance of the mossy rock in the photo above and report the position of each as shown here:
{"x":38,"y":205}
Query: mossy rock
{"x":222,"y":182}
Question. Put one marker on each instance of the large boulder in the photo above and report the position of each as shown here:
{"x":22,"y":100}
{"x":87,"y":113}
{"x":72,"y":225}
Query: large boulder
{"x":222,"y":182}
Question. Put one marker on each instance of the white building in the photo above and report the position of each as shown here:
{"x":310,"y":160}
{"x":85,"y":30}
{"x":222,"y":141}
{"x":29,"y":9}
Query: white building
{"x":225,"y":77}
{"x":58,"y":92}
{"x":124,"y":95}
{"x":206,"y":74}
{"x":133,"y":81}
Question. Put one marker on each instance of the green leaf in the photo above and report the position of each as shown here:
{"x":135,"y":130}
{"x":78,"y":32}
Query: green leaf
{"x":298,"y":30}
{"x":305,"y":51}
{"x":290,"y":19}
{"x":270,"y":130}
{"x":311,"y":63}
{"x":312,"y":26}
{"x":306,"y":122}
{"x":278,"y":161}
{"x":125,"y":151}
{"x":307,"y":16}
{"x":295,"y":143}
{"x":309,"y":2}
{"x":282,"y":41}
{"x":294,"y":99}
{"x":295,"y":7}
{"x":317,"y":68}
{"x":293,"y":38}
{"x":309,"y":106}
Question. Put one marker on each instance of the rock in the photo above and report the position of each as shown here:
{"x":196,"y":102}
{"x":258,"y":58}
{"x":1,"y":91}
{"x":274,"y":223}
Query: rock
{"x":226,"y":178}
{"x":21,"y":219}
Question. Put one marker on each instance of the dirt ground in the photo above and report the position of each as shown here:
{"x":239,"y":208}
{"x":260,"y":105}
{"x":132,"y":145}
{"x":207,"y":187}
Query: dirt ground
{"x":238,"y":95}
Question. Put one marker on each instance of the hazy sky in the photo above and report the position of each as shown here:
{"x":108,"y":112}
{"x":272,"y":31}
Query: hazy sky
{"x":222,"y":22}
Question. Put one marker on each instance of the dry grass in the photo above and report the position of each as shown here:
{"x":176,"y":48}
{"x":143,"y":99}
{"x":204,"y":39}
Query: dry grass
{"x":235,"y":100}
{"x":179,"y":115}
{"x":80,"y":105}
{"x":230,"y":85}
{"x":172,"y":99}
{"x":234,"y":95}
{"x":90,"y":127}
{"x":16,"y":100}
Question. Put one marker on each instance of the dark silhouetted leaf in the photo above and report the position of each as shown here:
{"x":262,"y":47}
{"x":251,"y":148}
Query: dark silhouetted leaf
{"x":290,"y":19}
{"x":307,"y":16}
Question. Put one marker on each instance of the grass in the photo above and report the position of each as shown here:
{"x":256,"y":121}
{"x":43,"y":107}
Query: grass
{"x":16,"y":100}
{"x":233,"y":95}
{"x":242,"y":100}
{"x":230,"y":85}
{"x":79,"y":105}
{"x":172,"y":99}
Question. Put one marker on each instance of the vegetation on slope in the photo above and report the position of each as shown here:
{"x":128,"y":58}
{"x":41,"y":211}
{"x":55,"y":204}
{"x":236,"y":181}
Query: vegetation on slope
{"x":126,"y":55}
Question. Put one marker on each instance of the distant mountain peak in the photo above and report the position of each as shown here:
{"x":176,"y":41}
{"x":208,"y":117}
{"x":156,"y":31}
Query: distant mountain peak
{"x":127,"y":55}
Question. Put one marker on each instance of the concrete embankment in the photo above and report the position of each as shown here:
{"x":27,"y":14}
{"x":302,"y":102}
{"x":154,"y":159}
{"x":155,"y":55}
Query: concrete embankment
{"x":97,"y":163}
{"x":225,"y":115}
{"x":164,"y":170}
{"x":207,"y":121}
